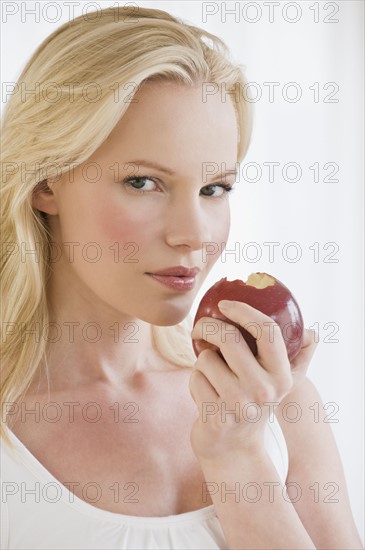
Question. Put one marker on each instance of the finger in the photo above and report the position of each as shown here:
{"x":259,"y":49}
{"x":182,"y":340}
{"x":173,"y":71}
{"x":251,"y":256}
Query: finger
{"x":309,"y":345}
{"x":231,"y":344}
{"x":271,"y":349}
{"x":200,"y":389}
{"x":220,"y":376}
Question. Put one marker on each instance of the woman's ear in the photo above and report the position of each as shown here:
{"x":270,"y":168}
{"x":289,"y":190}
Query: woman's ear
{"x":43,"y":198}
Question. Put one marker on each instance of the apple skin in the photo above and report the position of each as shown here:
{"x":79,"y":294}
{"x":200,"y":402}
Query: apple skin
{"x":276,"y":301}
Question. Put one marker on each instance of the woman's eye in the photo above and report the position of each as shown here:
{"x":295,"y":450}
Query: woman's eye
{"x":139,"y":179}
{"x":225,"y":190}
{"x":136,"y":183}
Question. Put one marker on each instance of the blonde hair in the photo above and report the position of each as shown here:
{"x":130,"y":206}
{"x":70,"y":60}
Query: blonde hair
{"x":43,"y":137}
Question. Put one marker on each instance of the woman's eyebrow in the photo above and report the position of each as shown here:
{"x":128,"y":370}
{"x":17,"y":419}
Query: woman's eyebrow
{"x":166,"y":170}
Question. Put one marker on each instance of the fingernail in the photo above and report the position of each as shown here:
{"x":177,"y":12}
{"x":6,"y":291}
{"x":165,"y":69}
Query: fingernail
{"x":225,"y":304}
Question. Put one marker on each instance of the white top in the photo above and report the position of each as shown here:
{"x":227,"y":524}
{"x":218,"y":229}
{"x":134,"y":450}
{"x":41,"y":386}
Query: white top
{"x":37,"y":511}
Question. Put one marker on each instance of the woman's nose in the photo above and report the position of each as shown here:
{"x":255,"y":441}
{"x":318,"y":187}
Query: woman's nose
{"x":188,"y":224}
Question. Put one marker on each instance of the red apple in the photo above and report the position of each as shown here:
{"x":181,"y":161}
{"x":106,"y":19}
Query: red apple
{"x":263,"y":292}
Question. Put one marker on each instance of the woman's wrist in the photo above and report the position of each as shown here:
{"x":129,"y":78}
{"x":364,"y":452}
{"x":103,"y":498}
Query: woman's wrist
{"x":233,"y":458}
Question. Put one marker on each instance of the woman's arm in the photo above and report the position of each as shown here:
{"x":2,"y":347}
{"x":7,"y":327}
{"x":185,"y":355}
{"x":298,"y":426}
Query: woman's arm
{"x":322,"y":501}
{"x":248,"y":497}
{"x":228,"y":436}
{"x":229,"y":443}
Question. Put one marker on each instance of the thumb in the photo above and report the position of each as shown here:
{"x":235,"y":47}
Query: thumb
{"x":309,"y":344}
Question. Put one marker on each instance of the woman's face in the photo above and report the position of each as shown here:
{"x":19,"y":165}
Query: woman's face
{"x":118,"y":233}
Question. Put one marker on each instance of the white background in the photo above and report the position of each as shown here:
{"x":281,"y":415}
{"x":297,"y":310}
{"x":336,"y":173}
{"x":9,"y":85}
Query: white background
{"x":308,"y":131}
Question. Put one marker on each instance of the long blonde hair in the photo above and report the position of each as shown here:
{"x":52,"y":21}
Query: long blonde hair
{"x":44,"y":135}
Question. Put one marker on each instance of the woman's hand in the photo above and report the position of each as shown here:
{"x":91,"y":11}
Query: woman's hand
{"x":235,"y":396}
{"x":300,"y":363}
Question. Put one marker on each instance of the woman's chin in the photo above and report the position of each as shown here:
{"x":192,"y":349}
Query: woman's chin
{"x":168,"y":318}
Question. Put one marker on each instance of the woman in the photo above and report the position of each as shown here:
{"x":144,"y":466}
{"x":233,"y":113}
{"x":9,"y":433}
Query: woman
{"x":108,"y":438}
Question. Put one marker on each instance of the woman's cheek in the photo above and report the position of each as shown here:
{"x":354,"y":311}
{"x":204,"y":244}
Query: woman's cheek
{"x":125,"y":234}
{"x":222,"y":233}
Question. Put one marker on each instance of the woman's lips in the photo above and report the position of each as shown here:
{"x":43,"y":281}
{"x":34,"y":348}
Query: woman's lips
{"x":181,"y":284}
